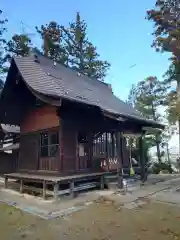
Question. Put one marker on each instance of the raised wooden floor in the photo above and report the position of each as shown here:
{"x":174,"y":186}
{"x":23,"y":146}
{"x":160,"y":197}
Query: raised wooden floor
{"x":48,"y":178}
{"x":56,"y":181}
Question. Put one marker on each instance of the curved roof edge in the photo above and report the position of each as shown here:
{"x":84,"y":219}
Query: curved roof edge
{"x":56,"y":100}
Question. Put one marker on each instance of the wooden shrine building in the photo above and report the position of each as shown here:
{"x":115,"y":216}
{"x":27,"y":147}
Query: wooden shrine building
{"x":9,"y":148}
{"x":69,"y":123}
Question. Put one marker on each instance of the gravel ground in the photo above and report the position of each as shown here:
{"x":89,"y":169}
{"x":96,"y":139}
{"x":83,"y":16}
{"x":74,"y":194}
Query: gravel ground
{"x":102,"y":220}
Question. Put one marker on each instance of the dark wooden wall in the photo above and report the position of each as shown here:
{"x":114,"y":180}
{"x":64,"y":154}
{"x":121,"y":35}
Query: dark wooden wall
{"x":37,"y":120}
{"x":29,"y":151}
{"x":68,"y":147}
{"x":70,"y":122}
{"x":8,"y":162}
{"x":40,"y":118}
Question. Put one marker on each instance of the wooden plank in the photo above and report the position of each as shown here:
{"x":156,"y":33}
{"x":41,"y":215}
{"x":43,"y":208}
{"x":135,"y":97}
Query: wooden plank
{"x":62,"y":192}
{"x":78,"y":188}
{"x":51,"y":178}
{"x":35,"y":189}
{"x":85,"y":186}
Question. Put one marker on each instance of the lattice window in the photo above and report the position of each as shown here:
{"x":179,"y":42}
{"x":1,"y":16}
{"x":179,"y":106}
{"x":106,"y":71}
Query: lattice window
{"x":49,"y":144}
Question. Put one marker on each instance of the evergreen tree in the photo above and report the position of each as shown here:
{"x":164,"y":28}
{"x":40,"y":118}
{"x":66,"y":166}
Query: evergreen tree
{"x":166,"y":136}
{"x":83,"y":54}
{"x":53,"y":45}
{"x":166,"y":18}
{"x":19,"y":45}
{"x":71,"y":47}
{"x":173,"y":106}
{"x":146,"y":97}
{"x":3,"y":22}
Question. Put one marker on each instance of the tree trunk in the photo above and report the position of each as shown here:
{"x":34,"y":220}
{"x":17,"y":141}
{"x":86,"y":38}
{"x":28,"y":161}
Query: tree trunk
{"x":156,"y":136}
{"x":168,"y":154}
{"x":158,"y":150}
{"x":178,"y":107}
{"x":142,"y":158}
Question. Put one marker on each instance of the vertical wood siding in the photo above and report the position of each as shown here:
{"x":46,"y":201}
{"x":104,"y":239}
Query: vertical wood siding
{"x":40,"y":118}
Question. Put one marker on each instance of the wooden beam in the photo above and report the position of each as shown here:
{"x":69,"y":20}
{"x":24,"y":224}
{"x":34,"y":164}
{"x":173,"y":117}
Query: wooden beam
{"x":72,"y":192}
{"x":107,"y":152}
{"x":21,"y":186}
{"x":6,"y":182}
{"x":56,"y":189}
{"x":44,"y":189}
{"x":61,"y":145}
{"x":119,"y":158}
{"x":142,"y":157}
{"x":102,"y":182}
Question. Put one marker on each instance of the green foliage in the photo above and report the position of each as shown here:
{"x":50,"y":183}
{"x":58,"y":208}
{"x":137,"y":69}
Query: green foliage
{"x":173,"y":108}
{"x":146,"y":97}
{"x":84,"y":56}
{"x":164,"y":167}
{"x":146,"y":146}
{"x":165,"y":16}
{"x":178,"y":163}
{"x":19,"y":45}
{"x":53,"y":45}
{"x":3,"y":22}
{"x":70,"y":46}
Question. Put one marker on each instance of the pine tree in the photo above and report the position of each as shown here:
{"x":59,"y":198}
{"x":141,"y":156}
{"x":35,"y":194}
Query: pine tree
{"x":165,"y":16}
{"x":53,"y":45}
{"x":71,"y":47}
{"x":3,"y":22}
{"x":83,"y":55}
{"x":147,"y":96}
{"x":19,"y":45}
{"x":166,"y":136}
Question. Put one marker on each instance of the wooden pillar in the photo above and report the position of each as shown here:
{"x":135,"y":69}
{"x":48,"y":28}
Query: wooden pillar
{"x":61,"y":145}
{"x":142,"y":158}
{"x":77,"y":164}
{"x":113,"y":145}
{"x":56,"y":190}
{"x":90,"y":150}
{"x":102,"y":182}
{"x":44,"y":189}
{"x":107,"y":152}
{"x":72,"y":192}
{"x":21,"y":186}
{"x":6,"y":182}
{"x":119,"y":158}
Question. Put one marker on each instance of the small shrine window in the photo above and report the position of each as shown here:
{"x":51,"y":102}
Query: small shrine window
{"x":49,"y":144}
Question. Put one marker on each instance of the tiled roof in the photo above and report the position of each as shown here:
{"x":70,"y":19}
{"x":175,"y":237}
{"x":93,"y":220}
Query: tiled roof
{"x":62,"y":82}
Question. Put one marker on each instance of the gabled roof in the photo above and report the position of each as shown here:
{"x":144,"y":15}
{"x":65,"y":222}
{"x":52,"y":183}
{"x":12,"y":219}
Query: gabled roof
{"x":47,"y":78}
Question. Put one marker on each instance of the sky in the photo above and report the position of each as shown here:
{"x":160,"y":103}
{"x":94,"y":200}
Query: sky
{"x":117,"y":28}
